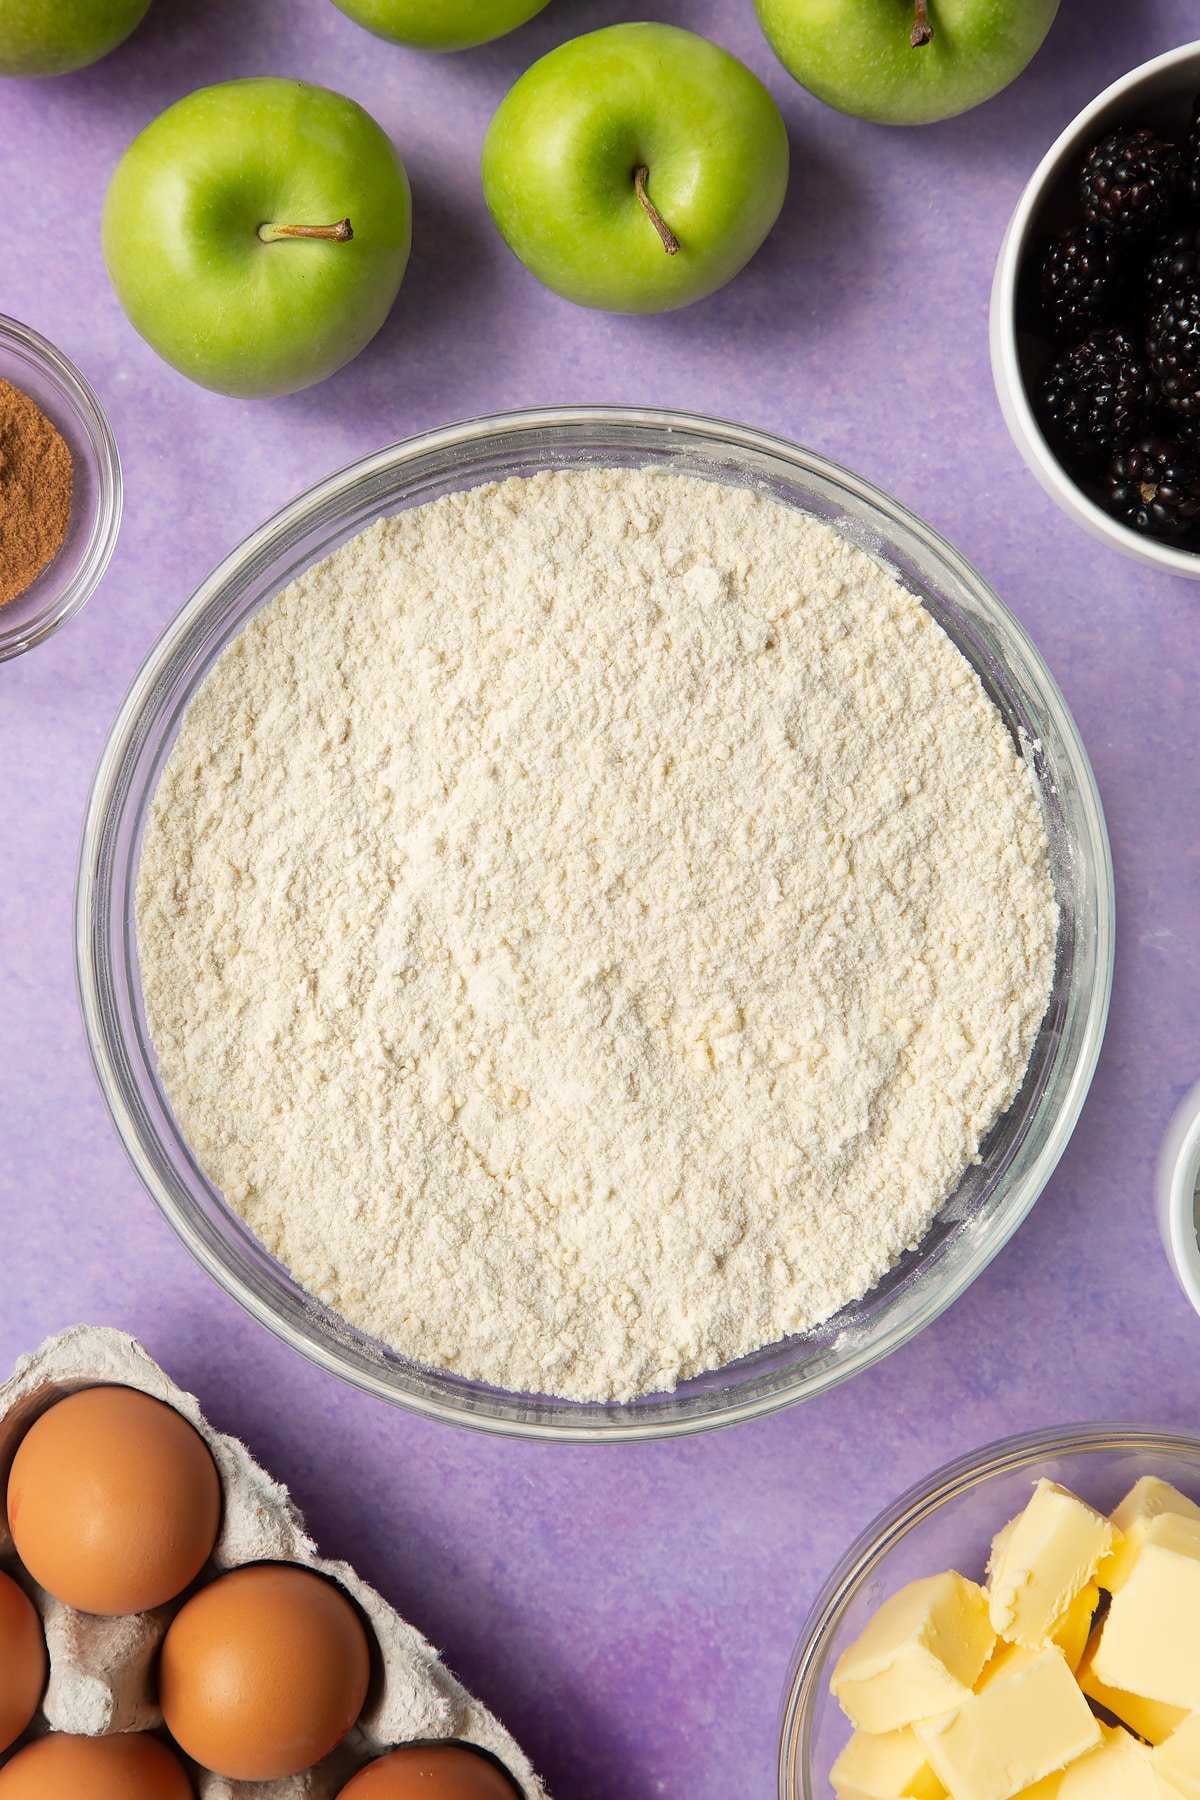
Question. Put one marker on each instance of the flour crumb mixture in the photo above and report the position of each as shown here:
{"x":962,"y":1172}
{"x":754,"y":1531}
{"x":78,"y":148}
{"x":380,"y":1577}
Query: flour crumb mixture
{"x":587,"y":926}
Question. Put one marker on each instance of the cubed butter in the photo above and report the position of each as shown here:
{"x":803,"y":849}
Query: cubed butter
{"x":893,"y":1766}
{"x":1043,"y":1562}
{"x":999,"y":1544}
{"x":920,"y":1655}
{"x":1177,"y":1761}
{"x":1150,"y":1641}
{"x":1119,"y":1768}
{"x":1070,"y":1636}
{"x":1027,"y":1724}
{"x":1146,"y":1500}
{"x":1151,"y":1719}
{"x":1073,"y":1630}
{"x":1004,"y":1658}
{"x":1043,"y":1790}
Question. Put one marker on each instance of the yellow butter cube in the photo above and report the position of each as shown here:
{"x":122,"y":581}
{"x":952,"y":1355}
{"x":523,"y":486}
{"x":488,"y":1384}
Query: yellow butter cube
{"x":1043,"y":1561}
{"x":1003,"y":1660}
{"x":1151,"y":1719}
{"x":999,"y":1544}
{"x":1027,"y":1724}
{"x":1146,"y":1500}
{"x":1177,"y":1761}
{"x":920,"y":1655}
{"x":1043,"y":1790}
{"x":1118,"y":1769}
{"x":1008,"y":1656}
{"x":1073,"y":1630}
{"x":892,"y":1766}
{"x":1150,"y":1641}
{"x":1070,"y":1636}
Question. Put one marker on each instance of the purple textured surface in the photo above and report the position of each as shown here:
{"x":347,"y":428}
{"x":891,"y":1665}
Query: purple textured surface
{"x":629,"y":1611}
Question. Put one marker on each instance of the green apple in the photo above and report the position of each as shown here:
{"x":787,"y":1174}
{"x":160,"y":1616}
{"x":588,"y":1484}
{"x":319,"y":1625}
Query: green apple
{"x":440,"y":24}
{"x":53,"y":37}
{"x":257,"y":232}
{"x":905,"y":62}
{"x":636,"y":169}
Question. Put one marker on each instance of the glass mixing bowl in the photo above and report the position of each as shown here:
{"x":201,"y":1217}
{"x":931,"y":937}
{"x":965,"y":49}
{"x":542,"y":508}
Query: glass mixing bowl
{"x":1019,"y":1155}
{"x":31,"y":362}
{"x":948,"y":1522}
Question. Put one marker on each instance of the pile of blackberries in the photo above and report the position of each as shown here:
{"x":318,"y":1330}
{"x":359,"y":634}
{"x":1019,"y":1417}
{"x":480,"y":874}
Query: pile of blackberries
{"x":1119,"y":296}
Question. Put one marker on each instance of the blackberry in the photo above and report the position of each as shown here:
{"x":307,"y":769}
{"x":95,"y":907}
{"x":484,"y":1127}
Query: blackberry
{"x":1173,"y":346}
{"x":1094,"y":398}
{"x":1080,"y":283}
{"x":1133,"y":184}
{"x":1154,"y":487}
{"x":1192,"y":154}
{"x":1174,"y":260}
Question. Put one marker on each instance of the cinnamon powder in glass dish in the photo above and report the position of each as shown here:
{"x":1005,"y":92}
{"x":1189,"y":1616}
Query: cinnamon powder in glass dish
{"x":35,"y":491}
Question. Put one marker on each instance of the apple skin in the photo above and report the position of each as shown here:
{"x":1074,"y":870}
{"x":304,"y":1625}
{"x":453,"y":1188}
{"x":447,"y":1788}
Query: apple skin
{"x":55,"y":37}
{"x":440,"y":24}
{"x":560,"y":154}
{"x":180,"y":233}
{"x":856,"y":54}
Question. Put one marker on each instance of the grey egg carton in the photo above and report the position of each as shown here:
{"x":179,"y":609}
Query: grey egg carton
{"x":102,"y":1670}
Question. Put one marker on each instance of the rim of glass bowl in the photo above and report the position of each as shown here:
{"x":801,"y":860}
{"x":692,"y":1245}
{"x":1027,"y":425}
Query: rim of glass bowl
{"x":806,"y":1676}
{"x":464,"y":455}
{"x":91,"y":421}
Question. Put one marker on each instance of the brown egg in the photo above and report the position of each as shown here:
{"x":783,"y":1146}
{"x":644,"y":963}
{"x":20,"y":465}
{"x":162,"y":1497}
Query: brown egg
{"x":59,"y":1767}
{"x":113,"y":1501}
{"x":430,"y":1772}
{"x":22,"y":1661}
{"x":263,"y":1673}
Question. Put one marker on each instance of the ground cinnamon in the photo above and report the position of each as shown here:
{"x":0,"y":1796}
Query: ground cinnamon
{"x":35,"y":491}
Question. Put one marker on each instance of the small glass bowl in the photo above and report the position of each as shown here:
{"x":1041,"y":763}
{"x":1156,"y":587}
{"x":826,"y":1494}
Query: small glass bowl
{"x":31,"y":363}
{"x":948,"y":1522}
{"x":1020,"y":1153}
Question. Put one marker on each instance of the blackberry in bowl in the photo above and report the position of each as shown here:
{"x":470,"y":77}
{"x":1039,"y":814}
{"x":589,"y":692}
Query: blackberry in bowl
{"x":1096,"y":396}
{"x":1132,"y":184}
{"x":1173,"y":347}
{"x":1080,"y":284}
{"x":1153,"y":486}
{"x":1174,"y":260}
{"x":1095,"y":316}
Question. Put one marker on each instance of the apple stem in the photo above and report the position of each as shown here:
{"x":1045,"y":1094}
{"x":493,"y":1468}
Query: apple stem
{"x":922,"y":30}
{"x":670,"y":242}
{"x":340,"y":233}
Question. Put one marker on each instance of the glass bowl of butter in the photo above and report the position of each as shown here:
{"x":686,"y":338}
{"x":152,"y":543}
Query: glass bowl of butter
{"x":1035,"y":1603}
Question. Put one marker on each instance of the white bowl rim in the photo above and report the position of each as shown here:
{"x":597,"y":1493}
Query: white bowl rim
{"x":1006,"y":365}
{"x":1177,"y":1182}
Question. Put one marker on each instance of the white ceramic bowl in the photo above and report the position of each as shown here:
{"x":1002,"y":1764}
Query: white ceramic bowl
{"x":1158,"y":93}
{"x":1177,"y":1194}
